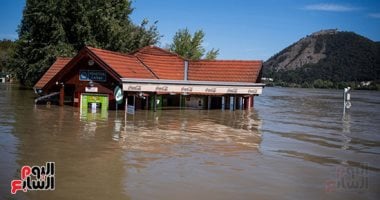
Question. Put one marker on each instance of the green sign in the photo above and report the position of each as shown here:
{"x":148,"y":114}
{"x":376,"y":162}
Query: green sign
{"x":118,"y":95}
{"x":97,"y":102}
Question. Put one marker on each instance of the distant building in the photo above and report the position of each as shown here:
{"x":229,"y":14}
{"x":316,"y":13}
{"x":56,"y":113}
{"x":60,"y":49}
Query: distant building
{"x":151,"y":78}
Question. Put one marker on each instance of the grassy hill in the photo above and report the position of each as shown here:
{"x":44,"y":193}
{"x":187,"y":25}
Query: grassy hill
{"x":327,"y":59}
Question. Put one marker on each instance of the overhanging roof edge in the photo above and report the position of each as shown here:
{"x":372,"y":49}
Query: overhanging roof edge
{"x":183,"y":82}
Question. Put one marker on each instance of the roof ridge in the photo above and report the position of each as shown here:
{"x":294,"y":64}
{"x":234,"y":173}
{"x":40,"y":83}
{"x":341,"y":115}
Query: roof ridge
{"x":225,"y":60}
{"x":109,"y":51}
{"x":157,"y":48}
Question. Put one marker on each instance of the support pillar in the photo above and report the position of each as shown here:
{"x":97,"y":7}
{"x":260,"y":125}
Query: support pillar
{"x":147,"y":102}
{"x":155,"y":103}
{"x":235,"y":102}
{"x":240,"y":103}
{"x":232,"y":103}
{"x":134,"y":103}
{"x":126,"y":109}
{"x":180,"y":101}
{"x":223,"y":103}
{"x":208,"y":102}
{"x":246,"y":103}
{"x":250,"y":102}
{"x":62,"y":95}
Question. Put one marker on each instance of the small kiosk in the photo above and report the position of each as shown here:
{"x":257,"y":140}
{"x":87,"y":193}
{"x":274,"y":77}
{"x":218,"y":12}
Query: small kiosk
{"x":150,"y":78}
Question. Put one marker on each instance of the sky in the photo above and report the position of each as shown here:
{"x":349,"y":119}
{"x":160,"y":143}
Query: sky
{"x":240,"y":29}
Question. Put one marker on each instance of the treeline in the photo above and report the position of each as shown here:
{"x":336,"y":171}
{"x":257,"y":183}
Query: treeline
{"x":62,"y":27}
{"x":350,"y":60}
{"x":6,"y":50}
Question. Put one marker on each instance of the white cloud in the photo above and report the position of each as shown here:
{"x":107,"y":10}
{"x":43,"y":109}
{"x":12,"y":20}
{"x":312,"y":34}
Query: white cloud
{"x":375,"y":15}
{"x":329,"y":7}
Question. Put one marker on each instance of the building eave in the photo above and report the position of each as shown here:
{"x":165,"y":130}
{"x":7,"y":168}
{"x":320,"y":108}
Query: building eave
{"x":189,"y":82}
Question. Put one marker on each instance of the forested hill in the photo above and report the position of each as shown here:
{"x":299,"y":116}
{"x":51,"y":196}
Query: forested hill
{"x":329,"y":56}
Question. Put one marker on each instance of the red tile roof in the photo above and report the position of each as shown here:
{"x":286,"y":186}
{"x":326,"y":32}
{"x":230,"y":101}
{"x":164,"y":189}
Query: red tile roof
{"x":155,"y":63}
{"x":164,"y":64}
{"x":224,"y":70}
{"x":127,"y":66}
{"x":52,"y":71}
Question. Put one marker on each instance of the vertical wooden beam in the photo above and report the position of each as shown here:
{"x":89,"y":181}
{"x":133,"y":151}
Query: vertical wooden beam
{"x":62,"y":95}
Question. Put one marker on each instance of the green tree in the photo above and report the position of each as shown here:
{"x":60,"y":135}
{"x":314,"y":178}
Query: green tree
{"x":190,"y":46}
{"x":6,"y":51}
{"x":61,"y":27}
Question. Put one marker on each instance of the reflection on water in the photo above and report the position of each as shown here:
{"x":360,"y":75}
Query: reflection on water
{"x":289,"y":146}
{"x":198,"y":130}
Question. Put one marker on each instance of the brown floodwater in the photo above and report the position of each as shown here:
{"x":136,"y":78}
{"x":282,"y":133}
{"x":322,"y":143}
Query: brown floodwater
{"x":294,"y":144}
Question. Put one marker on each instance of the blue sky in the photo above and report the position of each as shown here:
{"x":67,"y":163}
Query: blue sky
{"x":241,"y":29}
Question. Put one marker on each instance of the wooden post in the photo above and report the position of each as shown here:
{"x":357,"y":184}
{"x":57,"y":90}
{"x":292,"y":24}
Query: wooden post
{"x":62,"y":95}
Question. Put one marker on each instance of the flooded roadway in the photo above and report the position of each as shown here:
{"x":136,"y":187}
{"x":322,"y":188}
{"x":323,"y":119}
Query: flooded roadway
{"x":293,"y":145}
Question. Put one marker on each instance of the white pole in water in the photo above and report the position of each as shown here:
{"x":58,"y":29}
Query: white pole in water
{"x":346,"y":100}
{"x":126,"y":110}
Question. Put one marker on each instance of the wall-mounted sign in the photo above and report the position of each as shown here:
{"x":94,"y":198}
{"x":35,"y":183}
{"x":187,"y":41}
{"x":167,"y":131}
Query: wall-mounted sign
{"x":210,"y":90}
{"x":91,"y":89}
{"x":252,"y":91}
{"x":118,"y":95}
{"x":86,"y":103}
{"x":93,"y":75}
{"x":161,"y":88}
{"x":130,"y":109}
{"x":134,"y":88}
{"x":232,"y":90}
{"x":184,"y":89}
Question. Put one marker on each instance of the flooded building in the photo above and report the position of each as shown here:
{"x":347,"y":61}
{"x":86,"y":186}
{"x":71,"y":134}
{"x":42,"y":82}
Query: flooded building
{"x":150,"y":78}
